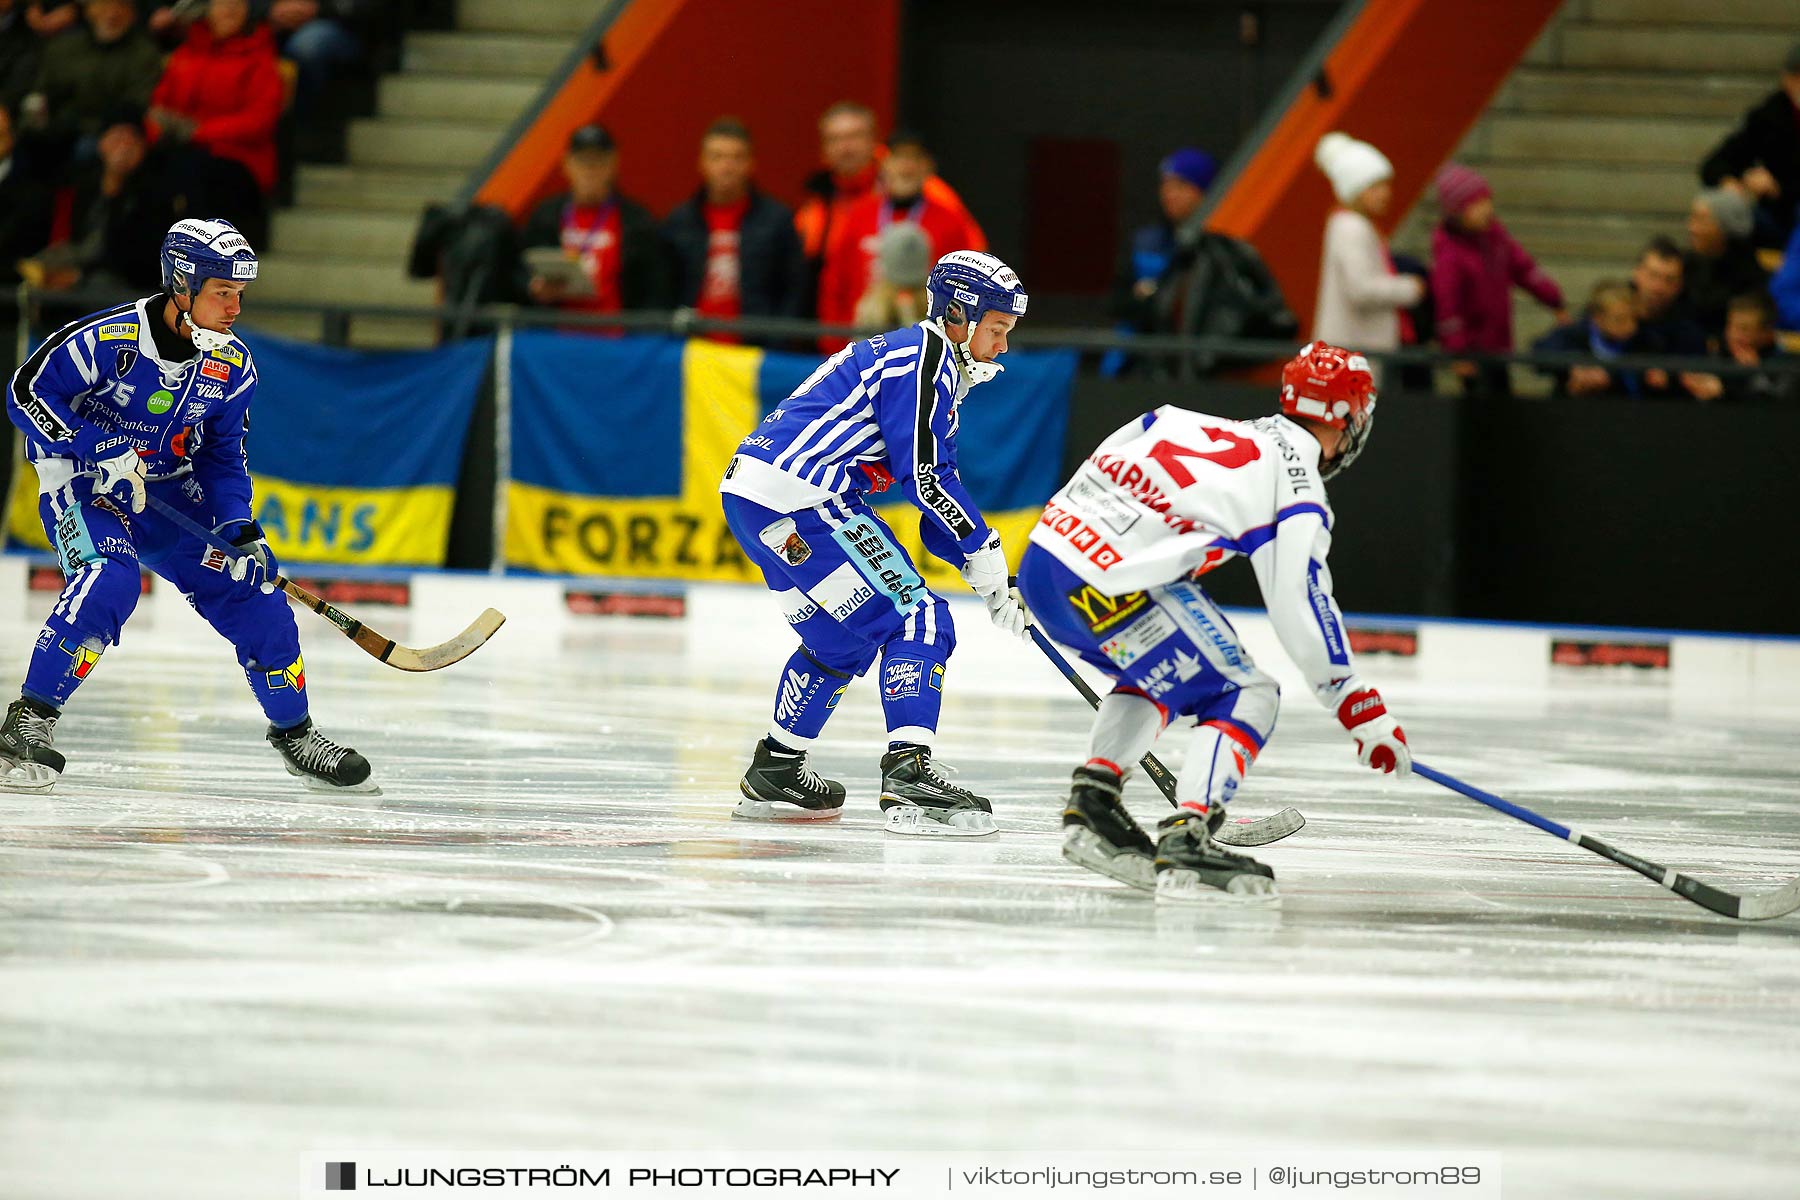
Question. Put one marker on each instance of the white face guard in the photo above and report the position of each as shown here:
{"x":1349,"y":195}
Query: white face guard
{"x":972,"y":372}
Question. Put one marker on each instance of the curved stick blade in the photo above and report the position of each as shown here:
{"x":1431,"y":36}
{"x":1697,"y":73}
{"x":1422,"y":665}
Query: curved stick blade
{"x":1778,"y":903}
{"x":444,"y":654}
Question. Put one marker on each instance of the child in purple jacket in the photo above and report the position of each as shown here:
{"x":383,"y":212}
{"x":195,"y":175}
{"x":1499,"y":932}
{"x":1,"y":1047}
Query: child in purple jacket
{"x":1475,"y":264}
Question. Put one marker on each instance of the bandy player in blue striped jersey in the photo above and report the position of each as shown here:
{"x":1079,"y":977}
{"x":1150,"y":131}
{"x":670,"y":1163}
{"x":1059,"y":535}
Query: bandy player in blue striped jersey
{"x":153,"y":398}
{"x":1112,"y":572}
{"x":880,"y":413}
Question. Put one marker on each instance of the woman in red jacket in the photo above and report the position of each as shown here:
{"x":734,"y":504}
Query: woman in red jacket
{"x":222,"y":90}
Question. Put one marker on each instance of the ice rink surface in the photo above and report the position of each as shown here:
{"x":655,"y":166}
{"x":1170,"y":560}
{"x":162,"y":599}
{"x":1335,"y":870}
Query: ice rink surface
{"x":549,"y":934}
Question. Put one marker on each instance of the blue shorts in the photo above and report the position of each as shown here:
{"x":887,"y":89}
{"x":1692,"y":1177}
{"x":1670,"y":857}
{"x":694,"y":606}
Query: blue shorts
{"x":845,"y":584}
{"x":1170,"y":643}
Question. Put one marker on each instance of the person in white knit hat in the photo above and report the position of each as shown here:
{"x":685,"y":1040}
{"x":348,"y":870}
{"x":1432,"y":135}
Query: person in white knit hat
{"x":1361,"y":298}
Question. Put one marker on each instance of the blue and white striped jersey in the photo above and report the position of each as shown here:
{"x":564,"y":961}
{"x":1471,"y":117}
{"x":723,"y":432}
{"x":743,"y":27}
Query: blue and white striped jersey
{"x":877,"y":411}
{"x":106,"y":376}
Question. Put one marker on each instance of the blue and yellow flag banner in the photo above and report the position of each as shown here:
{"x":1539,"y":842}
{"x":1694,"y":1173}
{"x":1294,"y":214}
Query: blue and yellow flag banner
{"x":354,"y":454}
{"x":619,"y":445}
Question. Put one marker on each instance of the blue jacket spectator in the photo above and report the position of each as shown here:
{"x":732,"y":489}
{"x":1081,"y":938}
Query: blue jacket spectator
{"x":1608,"y":329}
{"x":1785,"y":286}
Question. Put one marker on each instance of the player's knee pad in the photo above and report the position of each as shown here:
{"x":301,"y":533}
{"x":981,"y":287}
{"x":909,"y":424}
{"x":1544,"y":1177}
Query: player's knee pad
{"x":928,"y":626}
{"x":1253,"y":708}
{"x":261,"y":628}
{"x":267,"y":651}
{"x":845,"y":661}
{"x":97,"y":600}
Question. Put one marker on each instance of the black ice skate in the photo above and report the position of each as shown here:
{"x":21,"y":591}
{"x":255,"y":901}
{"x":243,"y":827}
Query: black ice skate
{"x":27,"y":763}
{"x":920,"y":802}
{"x":778,"y":787}
{"x":321,"y":764}
{"x":1190,"y":865}
{"x":1100,"y":835}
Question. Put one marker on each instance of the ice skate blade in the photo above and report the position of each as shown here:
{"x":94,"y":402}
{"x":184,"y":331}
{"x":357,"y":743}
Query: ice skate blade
{"x":29,"y":779}
{"x":751,"y":808}
{"x":910,"y":820}
{"x":1185,"y":887}
{"x":1085,"y":848}
{"x":367,"y":787}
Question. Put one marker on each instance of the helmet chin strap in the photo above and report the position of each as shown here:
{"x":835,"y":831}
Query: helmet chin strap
{"x":205,"y":340}
{"x":973,"y":372}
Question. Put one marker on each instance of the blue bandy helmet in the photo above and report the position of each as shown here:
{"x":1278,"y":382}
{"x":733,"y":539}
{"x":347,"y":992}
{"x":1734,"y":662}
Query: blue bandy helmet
{"x":966,"y":284}
{"x":195,"y":251}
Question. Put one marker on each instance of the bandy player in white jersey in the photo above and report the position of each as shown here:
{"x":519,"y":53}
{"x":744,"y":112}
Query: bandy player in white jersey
{"x":1112,"y":572}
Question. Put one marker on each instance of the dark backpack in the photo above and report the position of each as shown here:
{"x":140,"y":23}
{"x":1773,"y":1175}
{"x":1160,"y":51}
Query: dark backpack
{"x":475,"y":249}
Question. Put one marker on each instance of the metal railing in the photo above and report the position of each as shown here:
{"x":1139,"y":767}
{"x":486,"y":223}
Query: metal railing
{"x":338,"y":320}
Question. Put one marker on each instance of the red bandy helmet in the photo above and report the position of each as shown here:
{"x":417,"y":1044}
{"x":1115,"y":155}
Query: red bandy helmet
{"x":1335,"y":386}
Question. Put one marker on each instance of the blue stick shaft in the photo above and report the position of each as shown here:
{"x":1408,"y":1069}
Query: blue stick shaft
{"x":1493,"y":801}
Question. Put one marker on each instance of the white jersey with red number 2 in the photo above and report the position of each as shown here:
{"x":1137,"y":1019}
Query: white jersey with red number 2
{"x":1177,"y":493}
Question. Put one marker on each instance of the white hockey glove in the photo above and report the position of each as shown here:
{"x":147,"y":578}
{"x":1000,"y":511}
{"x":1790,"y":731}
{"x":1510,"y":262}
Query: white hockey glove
{"x":1007,"y":611}
{"x":256,"y":566}
{"x":985,"y":573}
{"x":1380,"y":742}
{"x":117,"y":463}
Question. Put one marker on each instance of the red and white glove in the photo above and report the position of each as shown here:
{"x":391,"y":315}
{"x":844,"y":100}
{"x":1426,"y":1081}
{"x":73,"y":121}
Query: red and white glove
{"x":1380,"y":742}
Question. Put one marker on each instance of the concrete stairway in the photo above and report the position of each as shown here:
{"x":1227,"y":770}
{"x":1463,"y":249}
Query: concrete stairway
{"x":348,"y":233}
{"x":1594,"y":144}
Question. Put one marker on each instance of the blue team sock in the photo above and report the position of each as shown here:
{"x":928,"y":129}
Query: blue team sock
{"x":912,"y":691}
{"x":58,"y":665}
{"x":804,"y":699}
{"x":281,"y":692}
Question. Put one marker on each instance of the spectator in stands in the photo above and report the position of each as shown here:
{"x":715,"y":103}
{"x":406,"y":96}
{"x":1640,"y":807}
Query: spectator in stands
{"x":1663,"y":318}
{"x":1720,"y":262}
{"x":1360,"y":296}
{"x":24,"y":206}
{"x":324,"y":39}
{"x":851,"y":153}
{"x":1761,"y":157}
{"x":20,"y":47}
{"x":1178,"y":277}
{"x":1609,"y":329}
{"x":106,"y":62}
{"x":613,"y":238}
{"x":901,"y":196}
{"x":1750,"y":341}
{"x":169,"y":23}
{"x":847,"y":146}
{"x":50,"y":17}
{"x":1475,"y":264}
{"x":896,"y":295}
{"x":1784,"y":286}
{"x":222,"y":91}
{"x":118,"y":207}
{"x":735,"y":250}
{"x":126,"y":199}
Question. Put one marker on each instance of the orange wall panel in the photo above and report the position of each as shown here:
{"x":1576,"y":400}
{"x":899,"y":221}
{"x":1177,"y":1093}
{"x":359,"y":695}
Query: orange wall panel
{"x":675,"y":65}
